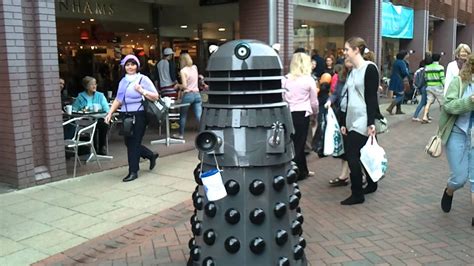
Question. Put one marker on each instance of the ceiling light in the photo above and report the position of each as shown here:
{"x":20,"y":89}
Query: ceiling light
{"x":91,"y":20}
{"x":148,"y":36}
{"x":81,"y":47}
{"x":221,"y":29}
{"x":83,"y":21}
{"x":222,"y":40}
{"x":196,"y":38}
{"x":184,"y":26}
{"x":126,"y":35}
{"x":304,"y":25}
{"x":69,"y":43}
{"x":141,"y":29}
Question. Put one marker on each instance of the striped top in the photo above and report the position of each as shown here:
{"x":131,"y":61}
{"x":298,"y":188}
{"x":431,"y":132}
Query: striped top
{"x":434,"y":75}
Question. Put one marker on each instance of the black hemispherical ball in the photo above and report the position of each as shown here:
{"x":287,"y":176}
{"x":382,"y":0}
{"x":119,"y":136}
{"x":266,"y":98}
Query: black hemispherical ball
{"x":197,"y":228}
{"x":232,"y":245}
{"x":210,"y":209}
{"x":232,"y":187}
{"x":294,"y":201}
{"x":302,"y":242}
{"x":209,"y":237}
{"x":198,"y":202}
{"x":257,"y":187}
{"x":291,"y":176}
{"x":299,"y":217}
{"x":280,"y":209}
{"x":257,"y":245}
{"x":208,"y":262}
{"x":297,"y":192}
{"x":281,"y":237}
{"x":283,"y":261}
{"x":191,"y":243}
{"x":257,"y":216}
{"x":298,"y":252}
{"x":296,"y":228}
{"x":278,"y":182}
{"x":196,"y":253}
{"x":232,"y":216}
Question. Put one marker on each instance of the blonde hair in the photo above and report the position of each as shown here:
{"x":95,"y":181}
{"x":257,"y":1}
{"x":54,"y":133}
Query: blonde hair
{"x":462,"y":46}
{"x":467,"y":69}
{"x":300,"y":65}
{"x":185,"y":60}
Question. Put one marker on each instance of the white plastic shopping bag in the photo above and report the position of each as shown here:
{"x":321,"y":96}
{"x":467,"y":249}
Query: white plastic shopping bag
{"x":333,"y":144}
{"x":374,"y":159}
{"x":213,"y":185}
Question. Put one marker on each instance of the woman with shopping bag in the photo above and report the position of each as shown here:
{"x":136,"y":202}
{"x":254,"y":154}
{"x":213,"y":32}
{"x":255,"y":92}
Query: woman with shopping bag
{"x":360,"y":107}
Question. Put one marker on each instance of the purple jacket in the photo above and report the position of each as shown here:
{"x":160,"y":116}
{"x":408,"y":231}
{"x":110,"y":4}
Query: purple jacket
{"x":133,"y":99}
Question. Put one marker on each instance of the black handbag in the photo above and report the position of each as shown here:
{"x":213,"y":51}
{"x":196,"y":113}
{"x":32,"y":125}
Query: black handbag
{"x":156,"y":111}
{"x":128,"y":122}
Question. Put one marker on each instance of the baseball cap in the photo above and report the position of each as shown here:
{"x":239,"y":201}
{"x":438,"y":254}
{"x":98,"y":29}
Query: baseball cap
{"x":168,"y":51}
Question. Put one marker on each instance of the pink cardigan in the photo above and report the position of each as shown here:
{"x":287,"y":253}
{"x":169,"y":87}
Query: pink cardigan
{"x":301,"y":94}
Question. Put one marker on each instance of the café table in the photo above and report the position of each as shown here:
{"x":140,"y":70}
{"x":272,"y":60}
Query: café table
{"x":95,"y":116}
{"x":168,"y":140}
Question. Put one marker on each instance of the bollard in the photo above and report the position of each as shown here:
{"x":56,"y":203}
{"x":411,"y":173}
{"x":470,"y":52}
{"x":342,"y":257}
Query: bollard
{"x":245,"y":133}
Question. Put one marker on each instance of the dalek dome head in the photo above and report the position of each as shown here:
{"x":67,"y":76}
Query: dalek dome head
{"x":244,"y":55}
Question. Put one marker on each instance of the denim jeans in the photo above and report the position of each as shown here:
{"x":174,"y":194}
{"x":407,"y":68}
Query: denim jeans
{"x":460,"y":159}
{"x":194,"y":99}
{"x":422,"y":102}
{"x":399,"y":96}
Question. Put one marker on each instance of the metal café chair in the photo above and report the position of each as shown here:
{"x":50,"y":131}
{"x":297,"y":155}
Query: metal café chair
{"x":85,"y":126}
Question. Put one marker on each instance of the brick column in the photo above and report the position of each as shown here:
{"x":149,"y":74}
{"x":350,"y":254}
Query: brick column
{"x":364,"y":21}
{"x":444,"y":34}
{"x":420,"y":34}
{"x":31,"y":136}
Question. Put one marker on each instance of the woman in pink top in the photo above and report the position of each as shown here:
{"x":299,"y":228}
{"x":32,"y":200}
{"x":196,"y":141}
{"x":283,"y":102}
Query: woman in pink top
{"x":302,"y":99}
{"x":189,"y":91}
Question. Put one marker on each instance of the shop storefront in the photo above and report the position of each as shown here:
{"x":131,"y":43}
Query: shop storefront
{"x":319,"y":25}
{"x":93,"y":35}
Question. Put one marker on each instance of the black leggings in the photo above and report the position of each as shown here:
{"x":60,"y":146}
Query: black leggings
{"x":301,"y":124}
{"x":354,"y":143}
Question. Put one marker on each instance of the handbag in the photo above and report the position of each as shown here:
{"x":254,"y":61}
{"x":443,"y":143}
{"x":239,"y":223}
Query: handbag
{"x":381,"y":125}
{"x":435,"y":144}
{"x":128,"y":122}
{"x":156,"y":111}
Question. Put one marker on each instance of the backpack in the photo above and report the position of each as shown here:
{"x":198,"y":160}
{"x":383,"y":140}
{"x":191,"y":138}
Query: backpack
{"x":419,"y":79}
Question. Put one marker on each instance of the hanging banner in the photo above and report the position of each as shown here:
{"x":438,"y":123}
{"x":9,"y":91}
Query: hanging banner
{"x":397,"y":21}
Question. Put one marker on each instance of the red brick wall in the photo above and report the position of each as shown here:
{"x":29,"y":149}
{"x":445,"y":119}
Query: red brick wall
{"x":31,"y":132}
{"x":364,"y":21}
{"x":253,"y":16}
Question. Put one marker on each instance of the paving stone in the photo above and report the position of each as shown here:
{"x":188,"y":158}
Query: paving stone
{"x":49,"y":214}
{"x":96,"y":208}
{"x":12,"y":198}
{"x":69,"y":202}
{"x":7,"y":219}
{"x":48,"y":239}
{"x":8,"y":246}
{"x":28,"y":229}
{"x":23,"y":257}
{"x":96,"y":230}
{"x":76,"y":222}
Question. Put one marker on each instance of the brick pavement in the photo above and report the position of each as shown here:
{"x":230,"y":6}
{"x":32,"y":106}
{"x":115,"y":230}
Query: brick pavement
{"x":400,"y":224}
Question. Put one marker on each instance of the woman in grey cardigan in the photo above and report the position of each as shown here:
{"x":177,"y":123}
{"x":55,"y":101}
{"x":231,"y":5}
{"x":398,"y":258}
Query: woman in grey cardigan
{"x":360,"y":106}
{"x":456,"y":119}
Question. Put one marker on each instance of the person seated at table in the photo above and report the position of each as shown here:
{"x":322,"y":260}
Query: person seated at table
{"x":91,"y":100}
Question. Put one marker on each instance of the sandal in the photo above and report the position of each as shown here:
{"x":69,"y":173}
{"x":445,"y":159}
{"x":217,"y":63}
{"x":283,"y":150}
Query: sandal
{"x":425,"y":121}
{"x":337,"y":182}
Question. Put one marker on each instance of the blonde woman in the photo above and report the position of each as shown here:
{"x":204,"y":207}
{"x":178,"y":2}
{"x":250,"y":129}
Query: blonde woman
{"x":302,"y":100}
{"x":189,"y":91}
{"x":461,"y":54}
{"x":457,"y":116}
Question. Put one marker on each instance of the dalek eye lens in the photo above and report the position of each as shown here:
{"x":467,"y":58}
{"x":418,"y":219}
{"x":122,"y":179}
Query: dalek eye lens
{"x":242,"y":51}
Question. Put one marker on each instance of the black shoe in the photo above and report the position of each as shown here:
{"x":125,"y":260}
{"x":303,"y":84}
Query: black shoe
{"x":102,"y":151}
{"x":153,"y":160}
{"x":446,"y":201}
{"x":337,"y":182}
{"x":353,"y":200}
{"x":130,"y":177}
{"x":370,"y":188}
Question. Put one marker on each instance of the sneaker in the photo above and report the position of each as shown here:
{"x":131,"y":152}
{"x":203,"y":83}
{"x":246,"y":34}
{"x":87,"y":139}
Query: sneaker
{"x":177,"y":136}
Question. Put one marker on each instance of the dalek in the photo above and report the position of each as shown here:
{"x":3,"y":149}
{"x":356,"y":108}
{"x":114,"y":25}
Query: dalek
{"x":244,"y":136}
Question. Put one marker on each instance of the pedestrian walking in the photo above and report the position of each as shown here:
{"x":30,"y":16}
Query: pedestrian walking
{"x":434,"y":77}
{"x":335,"y":101}
{"x":300,"y":94}
{"x":461,"y":54}
{"x":420,"y":84}
{"x":457,"y":117}
{"x":132,"y":87}
{"x":398,"y":79}
{"x":360,"y":106}
{"x":190,"y":92}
